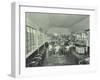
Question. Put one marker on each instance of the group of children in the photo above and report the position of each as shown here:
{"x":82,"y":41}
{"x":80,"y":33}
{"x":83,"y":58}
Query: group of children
{"x":61,"y":49}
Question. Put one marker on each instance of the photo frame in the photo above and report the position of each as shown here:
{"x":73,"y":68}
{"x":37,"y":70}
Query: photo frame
{"x":18,"y":63}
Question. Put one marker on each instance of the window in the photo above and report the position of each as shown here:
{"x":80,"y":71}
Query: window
{"x":30,"y":39}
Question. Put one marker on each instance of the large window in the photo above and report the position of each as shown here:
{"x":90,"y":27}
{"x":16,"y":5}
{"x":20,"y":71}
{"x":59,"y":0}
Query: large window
{"x":40,"y":38}
{"x":34,"y":39}
{"x":30,"y":39}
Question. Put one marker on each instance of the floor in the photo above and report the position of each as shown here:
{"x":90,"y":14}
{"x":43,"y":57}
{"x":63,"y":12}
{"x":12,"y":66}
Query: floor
{"x":58,"y":59}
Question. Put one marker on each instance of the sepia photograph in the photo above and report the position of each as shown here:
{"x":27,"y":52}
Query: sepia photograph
{"x":55,"y":39}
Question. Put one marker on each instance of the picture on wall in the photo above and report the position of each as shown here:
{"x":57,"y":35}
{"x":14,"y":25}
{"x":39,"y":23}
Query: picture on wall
{"x":54,"y":39}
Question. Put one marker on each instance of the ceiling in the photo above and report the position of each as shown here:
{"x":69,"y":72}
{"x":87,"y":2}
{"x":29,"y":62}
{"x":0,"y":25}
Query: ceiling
{"x":47,"y":21}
